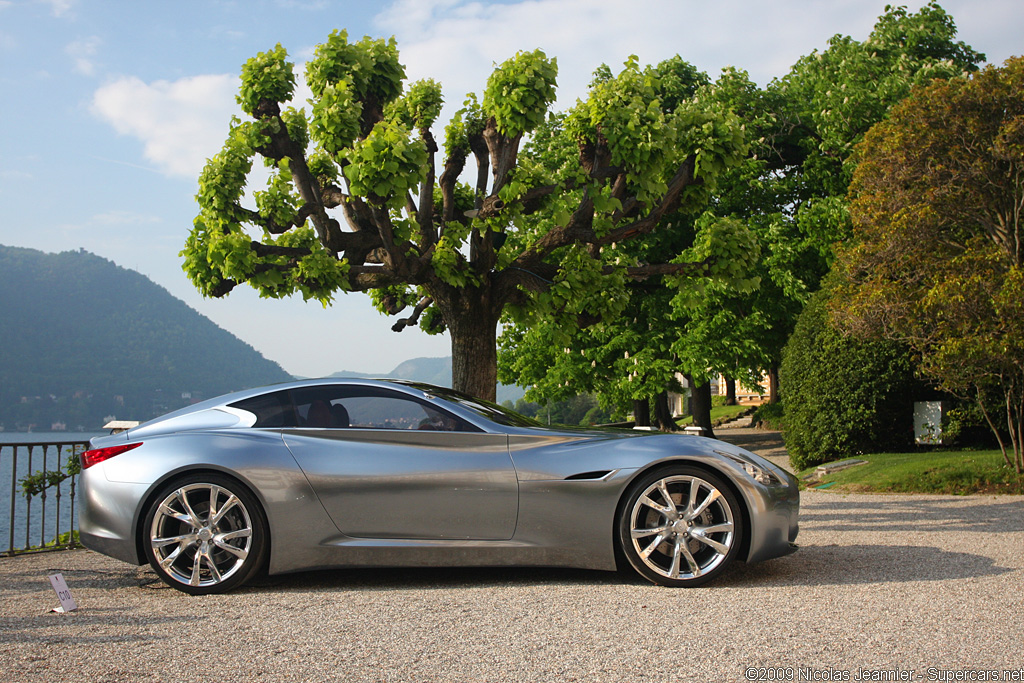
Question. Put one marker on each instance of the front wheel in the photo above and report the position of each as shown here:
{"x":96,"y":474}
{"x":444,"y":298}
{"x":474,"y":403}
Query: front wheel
{"x":680,"y":526}
{"x":205,"y":534}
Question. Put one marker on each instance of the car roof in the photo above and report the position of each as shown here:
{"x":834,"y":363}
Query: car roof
{"x":416,"y":389}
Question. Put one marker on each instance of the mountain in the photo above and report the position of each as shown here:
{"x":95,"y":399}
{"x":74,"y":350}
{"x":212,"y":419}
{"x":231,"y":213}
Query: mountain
{"x":430,"y":370}
{"x":436,"y":371}
{"x":84,"y":339}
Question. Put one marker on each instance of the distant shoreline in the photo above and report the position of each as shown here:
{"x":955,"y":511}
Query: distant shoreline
{"x":7,"y":438}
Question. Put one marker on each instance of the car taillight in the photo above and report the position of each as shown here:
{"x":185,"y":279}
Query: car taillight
{"x":97,"y":455}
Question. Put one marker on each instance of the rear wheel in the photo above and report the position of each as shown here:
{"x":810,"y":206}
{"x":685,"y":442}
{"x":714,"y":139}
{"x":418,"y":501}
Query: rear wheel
{"x":205,"y":534}
{"x":680,"y":526}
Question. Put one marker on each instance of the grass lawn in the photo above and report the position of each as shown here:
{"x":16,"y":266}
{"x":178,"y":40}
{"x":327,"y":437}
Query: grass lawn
{"x":955,"y":472}
{"x":719,"y":415}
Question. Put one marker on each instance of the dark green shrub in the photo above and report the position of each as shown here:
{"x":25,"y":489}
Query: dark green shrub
{"x":768,"y":416}
{"x":843,"y":396}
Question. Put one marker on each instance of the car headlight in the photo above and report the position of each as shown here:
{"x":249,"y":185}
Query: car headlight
{"x":758,"y":474}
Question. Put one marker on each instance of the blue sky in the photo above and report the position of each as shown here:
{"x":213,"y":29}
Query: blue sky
{"x":112,"y":106}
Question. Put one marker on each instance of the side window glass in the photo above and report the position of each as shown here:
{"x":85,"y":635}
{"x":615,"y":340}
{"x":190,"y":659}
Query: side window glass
{"x":380,"y":412}
{"x":320,"y":408}
{"x":341,"y":407}
{"x":271,"y":410}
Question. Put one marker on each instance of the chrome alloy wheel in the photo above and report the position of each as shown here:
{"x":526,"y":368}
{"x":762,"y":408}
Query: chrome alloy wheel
{"x":682,"y":527}
{"x":201,"y":535}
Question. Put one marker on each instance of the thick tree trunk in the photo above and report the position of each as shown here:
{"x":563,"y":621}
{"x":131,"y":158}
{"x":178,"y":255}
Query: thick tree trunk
{"x":642,"y":413}
{"x":663,"y":414}
{"x":700,"y":405}
{"x":475,"y":361}
{"x":730,"y":392}
{"x":773,"y":383}
{"x":472,"y":323}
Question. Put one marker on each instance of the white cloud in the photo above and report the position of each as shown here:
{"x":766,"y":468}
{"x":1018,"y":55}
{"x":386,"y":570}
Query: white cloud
{"x":459,"y":41}
{"x":82,"y":53}
{"x":59,"y":8}
{"x":181,"y":123}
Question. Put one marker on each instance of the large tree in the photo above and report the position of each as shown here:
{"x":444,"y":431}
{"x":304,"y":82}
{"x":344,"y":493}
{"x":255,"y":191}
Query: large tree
{"x":353,"y":203}
{"x":938,"y":260}
{"x":810,"y":121}
{"x":631,"y":357}
{"x":788,"y":196}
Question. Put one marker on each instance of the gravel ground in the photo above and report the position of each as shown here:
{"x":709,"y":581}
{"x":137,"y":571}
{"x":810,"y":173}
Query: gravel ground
{"x":882,"y":583}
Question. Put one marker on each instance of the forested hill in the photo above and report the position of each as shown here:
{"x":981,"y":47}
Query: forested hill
{"x":430,"y":370}
{"x":84,"y":339}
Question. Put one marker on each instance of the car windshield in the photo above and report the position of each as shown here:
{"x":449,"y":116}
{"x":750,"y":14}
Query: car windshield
{"x":486,"y":409}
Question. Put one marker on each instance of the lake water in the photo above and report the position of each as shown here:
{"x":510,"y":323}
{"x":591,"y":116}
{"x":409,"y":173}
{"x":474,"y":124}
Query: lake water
{"x":24,"y":522}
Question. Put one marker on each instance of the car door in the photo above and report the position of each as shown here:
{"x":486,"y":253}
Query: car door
{"x":387,"y":465}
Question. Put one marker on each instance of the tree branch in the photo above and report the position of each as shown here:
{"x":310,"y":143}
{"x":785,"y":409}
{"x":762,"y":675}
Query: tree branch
{"x":423,"y":304}
{"x":425,"y":215}
{"x":682,"y":179}
{"x":449,"y":177}
{"x":282,"y":146}
{"x":503,"y":152}
{"x":263,"y":250}
{"x":657,"y":269}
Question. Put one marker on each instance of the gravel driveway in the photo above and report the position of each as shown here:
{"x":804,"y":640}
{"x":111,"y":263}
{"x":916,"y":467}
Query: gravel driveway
{"x":883,"y":583}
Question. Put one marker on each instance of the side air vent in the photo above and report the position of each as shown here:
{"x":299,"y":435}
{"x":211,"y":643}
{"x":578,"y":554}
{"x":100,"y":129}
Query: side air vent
{"x":601,"y":474}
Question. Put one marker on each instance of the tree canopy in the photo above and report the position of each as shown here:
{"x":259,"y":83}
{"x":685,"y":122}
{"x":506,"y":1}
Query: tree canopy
{"x":665,"y":322}
{"x":663,"y":223}
{"x":787,"y":196}
{"x":352,"y":202}
{"x":937,"y":260}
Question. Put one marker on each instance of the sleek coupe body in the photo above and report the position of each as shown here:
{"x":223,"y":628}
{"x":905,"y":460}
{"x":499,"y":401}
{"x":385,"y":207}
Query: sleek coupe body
{"x":345,"y":473}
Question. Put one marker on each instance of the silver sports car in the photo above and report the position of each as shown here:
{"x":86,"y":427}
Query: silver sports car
{"x":345,"y":473}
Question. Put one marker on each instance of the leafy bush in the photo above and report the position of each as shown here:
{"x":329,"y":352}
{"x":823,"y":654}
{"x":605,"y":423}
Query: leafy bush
{"x":768,"y":416}
{"x":964,"y":426}
{"x":843,"y":396}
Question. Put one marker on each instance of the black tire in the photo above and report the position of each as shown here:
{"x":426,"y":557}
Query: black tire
{"x":199,"y":553}
{"x":687,"y":539}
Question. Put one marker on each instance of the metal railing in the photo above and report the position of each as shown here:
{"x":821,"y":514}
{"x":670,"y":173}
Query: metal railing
{"x":43,"y":516}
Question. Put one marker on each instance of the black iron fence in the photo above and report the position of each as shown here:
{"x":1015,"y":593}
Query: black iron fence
{"x":37,"y":483}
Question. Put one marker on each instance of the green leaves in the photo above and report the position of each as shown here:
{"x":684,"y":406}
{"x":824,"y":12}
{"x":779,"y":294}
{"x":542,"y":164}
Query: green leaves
{"x":37,"y":482}
{"x":519,"y":92}
{"x":222,"y":180}
{"x":419,"y":107}
{"x":936,"y":260}
{"x":267,"y":76}
{"x":386,"y":164}
{"x":349,"y":83}
{"x":625,"y":115}
{"x":278,"y":203}
{"x":843,"y":395}
{"x":336,"y":120}
{"x":370,"y":68}
{"x":729,"y":252}
{"x":318,"y":275}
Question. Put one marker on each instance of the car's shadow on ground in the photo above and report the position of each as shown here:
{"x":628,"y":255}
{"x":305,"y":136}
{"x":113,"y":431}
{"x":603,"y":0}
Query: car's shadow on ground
{"x":430,"y":578}
{"x":813,"y":565}
{"x":829,"y":565}
{"x":838,"y":565}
